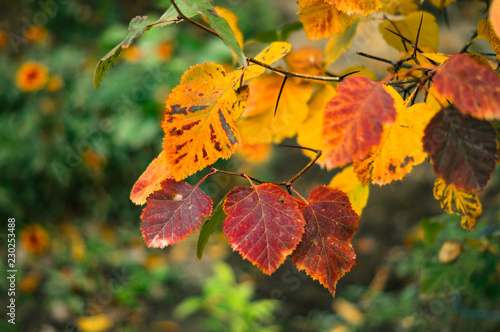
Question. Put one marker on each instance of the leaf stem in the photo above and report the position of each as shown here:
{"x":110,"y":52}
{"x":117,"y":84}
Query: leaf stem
{"x":257,"y":62}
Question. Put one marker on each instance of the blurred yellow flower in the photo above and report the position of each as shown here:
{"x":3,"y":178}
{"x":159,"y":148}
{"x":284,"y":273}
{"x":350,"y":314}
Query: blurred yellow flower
{"x":54,"y":84}
{"x":30,"y":282}
{"x":31,"y":76}
{"x":35,"y":239}
{"x":164,"y":51}
{"x":95,"y":323}
{"x":3,"y":39}
{"x":35,"y":33}
{"x":132,"y":54}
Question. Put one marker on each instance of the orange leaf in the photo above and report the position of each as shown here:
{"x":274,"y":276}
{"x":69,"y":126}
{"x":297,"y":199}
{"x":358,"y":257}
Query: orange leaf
{"x":474,"y":88}
{"x":354,"y":120}
{"x":306,"y":60}
{"x":361,"y":7}
{"x":259,"y":125}
{"x":198,"y":123}
{"x":157,"y":171}
{"x":325,"y":252}
{"x":321,"y":20}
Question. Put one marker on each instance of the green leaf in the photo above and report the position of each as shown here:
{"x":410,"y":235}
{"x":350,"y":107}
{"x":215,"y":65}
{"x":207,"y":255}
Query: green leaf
{"x":288,"y":29}
{"x":266,"y":37}
{"x":172,"y":16}
{"x":219,"y":24}
{"x":209,"y":228}
{"x":137,"y":26}
{"x":431,"y":230}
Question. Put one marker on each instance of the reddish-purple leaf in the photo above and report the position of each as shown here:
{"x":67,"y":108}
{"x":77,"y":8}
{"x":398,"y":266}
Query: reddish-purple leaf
{"x":474,"y":88}
{"x":463,"y":149}
{"x":325,"y":252}
{"x":173,"y":213}
{"x":263,"y":224}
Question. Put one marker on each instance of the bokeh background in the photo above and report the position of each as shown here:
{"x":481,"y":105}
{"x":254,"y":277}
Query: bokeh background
{"x":69,"y":155}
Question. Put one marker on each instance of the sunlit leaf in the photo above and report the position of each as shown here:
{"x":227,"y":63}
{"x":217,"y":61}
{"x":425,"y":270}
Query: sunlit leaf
{"x":494,"y":15}
{"x":361,"y":7}
{"x":463,"y":149}
{"x":136,"y":28}
{"x":232,"y":20}
{"x":173,"y":213}
{"x":254,"y":153}
{"x":474,"y":88}
{"x":309,"y":133}
{"x":263,"y":224}
{"x":259,"y":124}
{"x":458,"y":201}
{"x":306,"y":60}
{"x":219,"y":24}
{"x":400,"y":148}
{"x":325,"y":252}
{"x":399,"y":7}
{"x":348,"y":182}
{"x":347,"y":135}
{"x":209,"y":227}
{"x":269,"y":55}
{"x":94,"y":323}
{"x":440,"y":4}
{"x":408,"y":28}
{"x":157,"y":171}
{"x":321,"y":20}
{"x":198,"y":122}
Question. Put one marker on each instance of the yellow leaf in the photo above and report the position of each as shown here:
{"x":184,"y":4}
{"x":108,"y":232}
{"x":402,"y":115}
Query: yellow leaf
{"x":321,"y":20}
{"x":348,"y":183}
{"x":306,"y":60}
{"x":458,"y":201}
{"x":399,"y":7}
{"x":259,"y":125}
{"x":149,"y":182}
{"x":198,"y":122}
{"x":449,"y":251}
{"x":436,"y":57}
{"x":401,"y":145}
{"x":440,"y":4}
{"x":309,"y":133}
{"x":96,"y":323}
{"x":361,"y":7}
{"x":408,"y":28}
{"x":485,"y":31}
{"x":269,"y":55}
{"x":232,"y":20}
{"x":339,"y":43}
{"x":435,"y":100}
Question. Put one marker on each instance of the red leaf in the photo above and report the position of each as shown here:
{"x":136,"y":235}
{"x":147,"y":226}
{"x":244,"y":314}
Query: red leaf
{"x":354,"y":119}
{"x":325,"y":252}
{"x":263,"y":224}
{"x":173,"y":213}
{"x":463,"y":149}
{"x":474,"y":88}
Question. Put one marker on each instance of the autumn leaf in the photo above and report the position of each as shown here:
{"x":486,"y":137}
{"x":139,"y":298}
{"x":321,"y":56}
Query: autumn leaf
{"x":173,"y":213}
{"x":254,"y":153}
{"x":232,"y":20}
{"x":263,"y":224}
{"x":463,"y":149}
{"x":485,"y":31}
{"x":269,"y":55}
{"x":306,"y":60}
{"x":400,"y":148}
{"x":347,"y":133}
{"x":309,"y":133}
{"x":361,"y":7}
{"x":474,"y":88}
{"x":399,"y":7}
{"x":157,"y":171}
{"x":321,"y":20}
{"x":408,"y":27}
{"x":259,"y":125}
{"x":347,"y":182}
{"x":137,"y":26}
{"x":325,"y":252}
{"x":440,"y":4}
{"x":457,"y":201}
{"x":199,"y":121}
